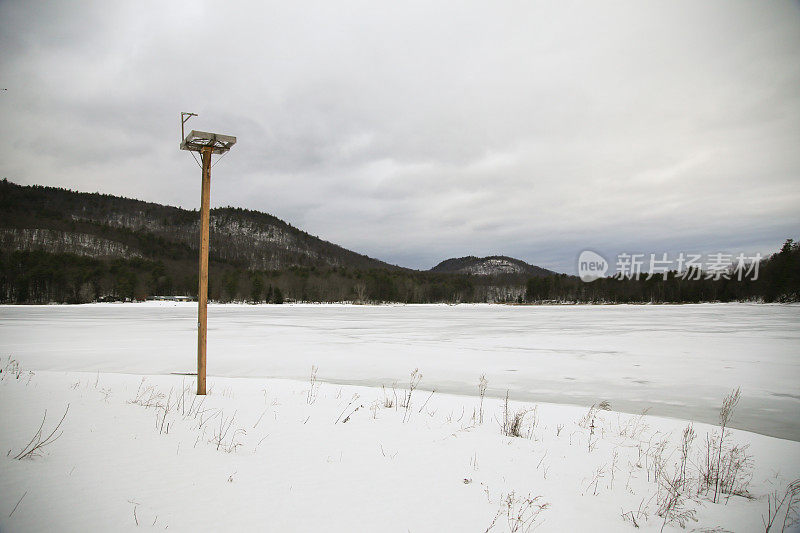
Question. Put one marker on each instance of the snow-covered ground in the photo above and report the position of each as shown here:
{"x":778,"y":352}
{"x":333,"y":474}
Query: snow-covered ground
{"x":137,"y":449}
{"x":265,"y":455}
{"x":676,"y":361}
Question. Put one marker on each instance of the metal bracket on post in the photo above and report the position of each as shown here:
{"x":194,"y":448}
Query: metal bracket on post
{"x":184,"y":117}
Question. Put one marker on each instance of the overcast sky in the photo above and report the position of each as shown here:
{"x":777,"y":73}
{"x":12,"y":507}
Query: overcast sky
{"x":418,"y":131}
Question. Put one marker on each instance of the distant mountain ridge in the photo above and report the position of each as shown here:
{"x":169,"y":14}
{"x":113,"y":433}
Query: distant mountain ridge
{"x":58,"y":245}
{"x":50,"y":219}
{"x":61,"y":246}
{"x":489,"y":266}
{"x":36,"y":218}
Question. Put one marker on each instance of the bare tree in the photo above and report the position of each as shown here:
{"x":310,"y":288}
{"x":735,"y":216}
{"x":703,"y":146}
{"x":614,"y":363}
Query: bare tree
{"x":360,"y":289}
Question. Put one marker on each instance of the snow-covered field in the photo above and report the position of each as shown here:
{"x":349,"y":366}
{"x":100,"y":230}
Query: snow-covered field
{"x":676,"y":361}
{"x":138,"y":450}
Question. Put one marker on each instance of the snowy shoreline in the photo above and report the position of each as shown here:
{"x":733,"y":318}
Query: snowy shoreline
{"x":280,"y":454}
{"x":677,"y":361}
{"x":162,"y":303}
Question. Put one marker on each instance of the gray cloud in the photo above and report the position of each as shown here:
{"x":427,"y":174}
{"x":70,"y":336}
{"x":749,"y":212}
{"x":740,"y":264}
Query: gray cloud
{"x":414,"y":132}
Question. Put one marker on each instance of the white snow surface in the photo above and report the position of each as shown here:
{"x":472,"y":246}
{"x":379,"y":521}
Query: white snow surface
{"x":341,"y":460}
{"x":138,"y":449}
{"x":676,"y":361}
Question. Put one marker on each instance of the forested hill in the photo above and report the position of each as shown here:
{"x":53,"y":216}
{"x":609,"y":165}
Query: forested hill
{"x":490,"y":266}
{"x":104,"y":226}
{"x":58,"y":245}
{"x":69,"y":247}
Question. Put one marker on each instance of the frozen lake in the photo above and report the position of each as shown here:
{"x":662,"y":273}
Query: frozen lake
{"x":677,"y":361}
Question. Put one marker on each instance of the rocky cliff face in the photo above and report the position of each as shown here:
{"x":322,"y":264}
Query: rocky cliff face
{"x":489,"y":266}
{"x":63,"y":242}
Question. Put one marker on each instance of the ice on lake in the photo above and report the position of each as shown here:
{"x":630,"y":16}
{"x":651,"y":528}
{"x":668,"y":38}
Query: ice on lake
{"x":676,"y":361}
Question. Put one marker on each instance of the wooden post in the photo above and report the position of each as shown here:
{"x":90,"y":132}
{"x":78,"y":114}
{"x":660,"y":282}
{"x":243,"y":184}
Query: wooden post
{"x":207,"y":144}
{"x":202,"y":292}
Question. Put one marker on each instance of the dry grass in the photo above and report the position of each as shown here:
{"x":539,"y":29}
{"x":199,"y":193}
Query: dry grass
{"x":38,"y":442}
